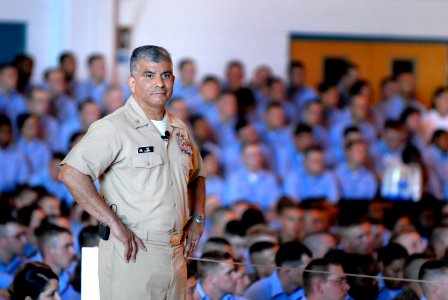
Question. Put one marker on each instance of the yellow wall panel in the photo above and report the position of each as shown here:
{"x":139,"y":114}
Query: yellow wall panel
{"x":374,"y":59}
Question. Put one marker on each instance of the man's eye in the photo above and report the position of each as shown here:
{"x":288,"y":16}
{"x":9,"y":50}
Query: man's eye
{"x":166,"y":75}
{"x":150,"y":76}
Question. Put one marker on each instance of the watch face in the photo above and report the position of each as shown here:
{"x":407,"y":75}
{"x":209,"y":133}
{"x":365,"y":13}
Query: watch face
{"x":199,"y":219}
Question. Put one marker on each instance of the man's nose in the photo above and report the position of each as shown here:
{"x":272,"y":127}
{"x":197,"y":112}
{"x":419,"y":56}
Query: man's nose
{"x":160,"y":83}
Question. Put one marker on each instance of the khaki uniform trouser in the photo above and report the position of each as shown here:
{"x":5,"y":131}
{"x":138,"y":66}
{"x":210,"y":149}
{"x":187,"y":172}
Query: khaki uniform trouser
{"x":158,"y":274}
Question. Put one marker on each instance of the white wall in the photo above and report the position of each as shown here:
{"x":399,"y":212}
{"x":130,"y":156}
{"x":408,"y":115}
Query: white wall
{"x":257,"y":31}
{"x":214,"y":31}
{"x":53,"y":26}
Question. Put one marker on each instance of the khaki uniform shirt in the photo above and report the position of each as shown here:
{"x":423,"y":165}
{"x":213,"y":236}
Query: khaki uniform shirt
{"x":142,"y":175}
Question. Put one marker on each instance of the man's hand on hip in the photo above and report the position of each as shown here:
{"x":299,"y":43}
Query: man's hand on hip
{"x":193,"y":234}
{"x":131,"y":242}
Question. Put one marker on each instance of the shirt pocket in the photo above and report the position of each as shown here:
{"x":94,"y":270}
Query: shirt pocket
{"x":146,"y":170}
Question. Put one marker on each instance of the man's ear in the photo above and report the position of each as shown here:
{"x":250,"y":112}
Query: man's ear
{"x":131,"y":84}
{"x":318,"y":286}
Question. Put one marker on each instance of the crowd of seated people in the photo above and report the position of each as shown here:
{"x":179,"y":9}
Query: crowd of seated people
{"x":342,"y":179}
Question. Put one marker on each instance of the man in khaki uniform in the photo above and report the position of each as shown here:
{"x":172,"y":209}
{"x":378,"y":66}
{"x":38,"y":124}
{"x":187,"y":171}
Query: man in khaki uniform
{"x":152,"y":186}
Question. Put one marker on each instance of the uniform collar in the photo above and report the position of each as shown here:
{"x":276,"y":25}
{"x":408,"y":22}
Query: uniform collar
{"x":138,"y":118}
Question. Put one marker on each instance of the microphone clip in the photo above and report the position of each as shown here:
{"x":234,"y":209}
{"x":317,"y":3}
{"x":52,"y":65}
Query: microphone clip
{"x":166,"y":137}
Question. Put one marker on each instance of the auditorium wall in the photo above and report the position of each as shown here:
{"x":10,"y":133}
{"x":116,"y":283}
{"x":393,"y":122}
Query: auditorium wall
{"x":215,"y":31}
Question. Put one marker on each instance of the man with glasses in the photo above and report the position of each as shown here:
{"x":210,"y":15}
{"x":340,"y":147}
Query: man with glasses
{"x":12,"y":243}
{"x":324,"y":279}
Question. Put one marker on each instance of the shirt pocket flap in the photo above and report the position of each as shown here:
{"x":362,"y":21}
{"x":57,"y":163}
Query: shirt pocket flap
{"x":147,"y":161}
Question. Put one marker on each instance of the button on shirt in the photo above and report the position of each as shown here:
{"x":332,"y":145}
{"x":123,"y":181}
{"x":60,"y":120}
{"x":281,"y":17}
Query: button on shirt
{"x":271,"y":288}
{"x":144,"y":184}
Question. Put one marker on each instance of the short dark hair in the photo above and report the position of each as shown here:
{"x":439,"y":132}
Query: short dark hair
{"x":407,"y":112}
{"x":6,"y":66}
{"x":350,"y":129}
{"x":325,"y":86}
{"x":430,"y":271}
{"x":393,"y":124}
{"x":219,"y":241}
{"x":184,"y":62}
{"x":285,"y":203}
{"x":21,"y":119}
{"x":94,"y":57}
{"x":235,"y":227}
{"x":46,"y":232}
{"x":320,"y":265}
{"x":5,"y":120}
{"x":88,"y":236}
{"x":206,"y":267}
{"x":314,"y":148}
{"x":302,"y":128}
{"x":439,"y":91}
{"x":150,"y":53}
{"x":391,"y":252}
{"x":65,"y":55}
{"x":272,"y":105}
{"x":357,"y":87}
{"x":210,"y":78}
{"x":437,"y":134}
{"x":31,"y":280}
{"x":234,"y":63}
{"x":48,"y":72}
{"x":296,"y":64}
{"x":260,"y":246}
{"x":291,"y":252}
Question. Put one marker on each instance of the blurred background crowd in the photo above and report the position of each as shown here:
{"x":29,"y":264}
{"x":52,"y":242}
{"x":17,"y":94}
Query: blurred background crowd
{"x":294,"y":173}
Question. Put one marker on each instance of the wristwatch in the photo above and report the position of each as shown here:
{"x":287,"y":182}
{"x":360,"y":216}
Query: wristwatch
{"x":199,"y":219}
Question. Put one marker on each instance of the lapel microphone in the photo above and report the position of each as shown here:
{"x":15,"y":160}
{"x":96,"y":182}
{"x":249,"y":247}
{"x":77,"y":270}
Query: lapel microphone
{"x":166,"y":137}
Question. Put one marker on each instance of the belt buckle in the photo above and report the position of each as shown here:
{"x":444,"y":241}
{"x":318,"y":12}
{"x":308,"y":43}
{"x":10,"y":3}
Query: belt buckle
{"x":175,"y":238}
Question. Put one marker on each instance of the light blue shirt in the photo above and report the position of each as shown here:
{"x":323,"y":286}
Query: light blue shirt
{"x":66,"y":290}
{"x":51,"y":127}
{"x":381,"y":154}
{"x":204,"y":296}
{"x":437,"y":160}
{"x":66,"y":108}
{"x":386,"y":294}
{"x":13,"y":105}
{"x":303,"y":96}
{"x":300,"y":185}
{"x":54,"y":187}
{"x":270,"y":288}
{"x":68,"y":128}
{"x":37,"y":152}
{"x":259,"y":188}
{"x":394,"y":107}
{"x":89,"y":90}
{"x":363,"y":180}
{"x":215,"y":186}
{"x":188,"y":93}
{"x":14,"y":168}
{"x":336,"y":137}
{"x":11,"y":268}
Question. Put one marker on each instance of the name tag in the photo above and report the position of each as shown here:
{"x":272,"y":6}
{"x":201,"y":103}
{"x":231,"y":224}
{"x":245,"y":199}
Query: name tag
{"x":147,"y":149}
